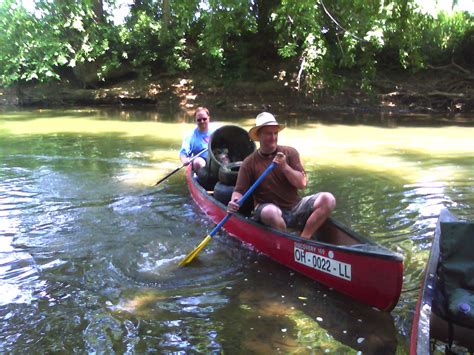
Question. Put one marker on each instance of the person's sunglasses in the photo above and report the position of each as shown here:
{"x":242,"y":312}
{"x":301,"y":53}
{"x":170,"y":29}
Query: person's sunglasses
{"x":201,"y":119}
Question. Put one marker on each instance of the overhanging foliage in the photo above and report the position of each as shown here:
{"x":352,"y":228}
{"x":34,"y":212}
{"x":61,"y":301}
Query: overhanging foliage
{"x":317,"y":42}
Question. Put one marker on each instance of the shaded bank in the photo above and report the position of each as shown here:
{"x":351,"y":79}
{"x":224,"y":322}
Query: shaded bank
{"x":446,"y":89}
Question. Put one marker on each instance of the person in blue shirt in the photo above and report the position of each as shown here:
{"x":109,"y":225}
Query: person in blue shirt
{"x":197,"y":140}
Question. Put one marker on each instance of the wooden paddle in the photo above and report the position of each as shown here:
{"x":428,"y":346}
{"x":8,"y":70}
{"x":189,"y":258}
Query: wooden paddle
{"x":182,"y":166}
{"x":206,"y":240}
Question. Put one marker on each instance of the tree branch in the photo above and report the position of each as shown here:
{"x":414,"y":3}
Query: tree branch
{"x":449,"y":66}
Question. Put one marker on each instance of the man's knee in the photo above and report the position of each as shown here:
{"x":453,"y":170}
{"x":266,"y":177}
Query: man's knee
{"x":326,"y":201}
{"x":198,"y":163}
{"x":271,"y":214}
{"x":271,"y":211}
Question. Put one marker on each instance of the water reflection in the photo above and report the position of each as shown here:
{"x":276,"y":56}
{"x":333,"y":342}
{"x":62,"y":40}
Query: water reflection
{"x":88,"y":247}
{"x":290,"y":313}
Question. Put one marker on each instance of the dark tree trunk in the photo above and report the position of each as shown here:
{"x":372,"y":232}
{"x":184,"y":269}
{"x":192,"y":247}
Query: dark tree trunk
{"x":98,"y":9}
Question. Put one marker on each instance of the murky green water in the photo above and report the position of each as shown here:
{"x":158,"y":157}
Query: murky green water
{"x":88,"y":248}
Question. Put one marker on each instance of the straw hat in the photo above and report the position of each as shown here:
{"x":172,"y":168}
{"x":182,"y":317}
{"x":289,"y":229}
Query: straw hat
{"x":264,"y":119}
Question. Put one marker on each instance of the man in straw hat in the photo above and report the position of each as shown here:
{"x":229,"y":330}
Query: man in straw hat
{"x":276,"y":199}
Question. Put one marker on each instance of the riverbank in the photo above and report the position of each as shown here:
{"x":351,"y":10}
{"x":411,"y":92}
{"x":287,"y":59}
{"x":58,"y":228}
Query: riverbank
{"x":446,"y":90}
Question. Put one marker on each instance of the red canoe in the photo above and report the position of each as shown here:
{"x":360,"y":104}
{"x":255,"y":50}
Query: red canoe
{"x":339,"y":258}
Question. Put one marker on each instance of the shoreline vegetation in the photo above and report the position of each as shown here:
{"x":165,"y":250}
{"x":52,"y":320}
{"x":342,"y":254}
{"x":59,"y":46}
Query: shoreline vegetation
{"x":446,"y":90}
{"x":400,"y":56}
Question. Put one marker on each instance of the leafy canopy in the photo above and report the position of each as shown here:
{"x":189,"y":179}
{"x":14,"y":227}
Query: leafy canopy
{"x":317,"y":42}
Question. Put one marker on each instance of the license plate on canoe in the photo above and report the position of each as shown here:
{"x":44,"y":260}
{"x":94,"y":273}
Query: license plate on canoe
{"x":322,"y":263}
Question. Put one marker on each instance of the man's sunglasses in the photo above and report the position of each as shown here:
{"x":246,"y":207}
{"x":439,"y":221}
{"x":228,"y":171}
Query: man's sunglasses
{"x":201,"y":119}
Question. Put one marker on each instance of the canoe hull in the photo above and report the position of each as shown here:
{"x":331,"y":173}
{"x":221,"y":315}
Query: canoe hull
{"x":426,"y":324}
{"x":372,"y":275}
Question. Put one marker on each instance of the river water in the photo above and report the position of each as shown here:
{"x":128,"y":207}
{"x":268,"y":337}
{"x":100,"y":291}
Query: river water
{"x":89,"y":247}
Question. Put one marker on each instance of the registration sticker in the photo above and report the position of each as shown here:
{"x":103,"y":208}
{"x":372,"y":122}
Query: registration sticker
{"x":322,"y":263}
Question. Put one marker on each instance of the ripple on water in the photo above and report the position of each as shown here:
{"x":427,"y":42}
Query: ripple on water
{"x":157,"y":266}
{"x":18,"y":274}
{"x":162,"y":228}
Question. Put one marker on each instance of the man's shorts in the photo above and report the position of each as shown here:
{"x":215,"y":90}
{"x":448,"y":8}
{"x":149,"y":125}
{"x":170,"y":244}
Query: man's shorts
{"x":294,"y":218}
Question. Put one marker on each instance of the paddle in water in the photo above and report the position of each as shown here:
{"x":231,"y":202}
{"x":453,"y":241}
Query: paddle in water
{"x":182,"y":166}
{"x":206,"y":240}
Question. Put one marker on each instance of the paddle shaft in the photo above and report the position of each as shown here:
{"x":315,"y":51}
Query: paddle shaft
{"x":243,"y":198}
{"x":201,"y":245}
{"x":182,"y":166}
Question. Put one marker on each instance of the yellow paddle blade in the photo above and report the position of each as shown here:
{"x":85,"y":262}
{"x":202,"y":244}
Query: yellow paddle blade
{"x":195,"y":252}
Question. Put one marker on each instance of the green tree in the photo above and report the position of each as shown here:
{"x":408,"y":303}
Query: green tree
{"x":331,"y":38}
{"x":27,"y":51}
{"x":325,"y":45}
{"x":89,"y":43}
{"x":60,"y":34}
{"x":154,"y":35}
